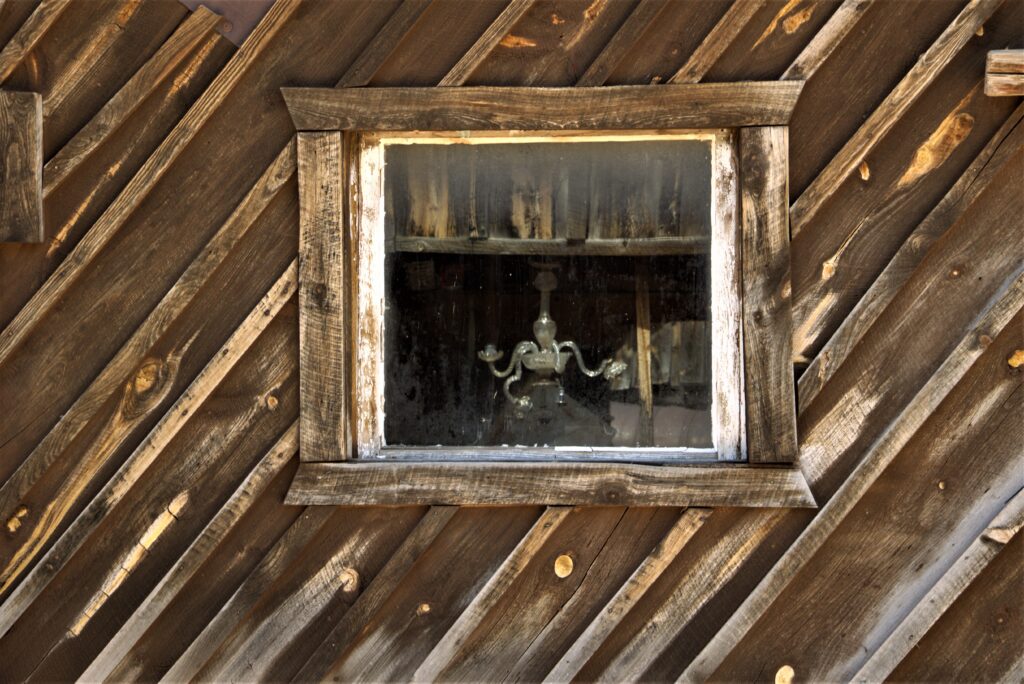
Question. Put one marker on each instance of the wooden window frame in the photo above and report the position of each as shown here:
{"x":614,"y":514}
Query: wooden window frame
{"x":340,"y":162}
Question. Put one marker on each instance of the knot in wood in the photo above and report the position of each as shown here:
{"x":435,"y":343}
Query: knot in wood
{"x":422,"y":609}
{"x":147,"y":388}
{"x":563,"y":566}
{"x":348,"y":579}
{"x":320,"y":295}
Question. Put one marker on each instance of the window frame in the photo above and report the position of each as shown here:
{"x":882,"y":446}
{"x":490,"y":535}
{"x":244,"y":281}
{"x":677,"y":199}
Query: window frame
{"x":342,"y":138}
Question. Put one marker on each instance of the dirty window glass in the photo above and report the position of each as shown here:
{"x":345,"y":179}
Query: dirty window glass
{"x":548,"y":294}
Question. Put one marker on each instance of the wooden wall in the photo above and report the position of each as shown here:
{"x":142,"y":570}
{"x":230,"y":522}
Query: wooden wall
{"x":148,"y":364}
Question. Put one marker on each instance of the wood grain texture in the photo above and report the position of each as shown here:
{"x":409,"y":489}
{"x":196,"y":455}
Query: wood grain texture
{"x":487,"y":41}
{"x":716,"y":42}
{"x":895,"y":105}
{"x":141,"y":459}
{"x":1004,"y":85}
{"x":384,"y":43}
{"x":622,"y":42}
{"x":322,"y":332}
{"x":989,"y":165}
{"x":30,"y":33}
{"x":130,"y":97}
{"x":767,"y":311}
{"x":886,"y":447}
{"x":717,"y":105}
{"x":118,"y":213}
{"x":1004,"y":62}
{"x":944,"y":593}
{"x":628,"y":595}
{"x":826,"y":40}
{"x":556,"y":484}
{"x":21,"y":167}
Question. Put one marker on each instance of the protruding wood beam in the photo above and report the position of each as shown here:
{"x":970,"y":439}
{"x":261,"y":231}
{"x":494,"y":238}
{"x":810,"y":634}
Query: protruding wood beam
{"x":134,"y":466}
{"x":483,"y":46}
{"x":826,"y":40}
{"x":987,"y":325}
{"x":130,"y":97}
{"x":254,"y":484}
{"x":892,"y":109}
{"x":431,"y":668}
{"x":30,"y":33}
{"x":622,"y":42}
{"x":1004,"y":73}
{"x":717,"y":41}
{"x":628,"y":595}
{"x":114,"y":218}
{"x":1006,"y":142}
{"x":21,"y":167}
{"x":941,"y":596}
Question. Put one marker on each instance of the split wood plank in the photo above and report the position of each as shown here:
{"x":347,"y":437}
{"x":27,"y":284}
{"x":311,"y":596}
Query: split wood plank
{"x":892,"y":109}
{"x":714,"y":105}
{"x":767,"y":310}
{"x":30,"y":33}
{"x":622,"y":42}
{"x":244,"y":496}
{"x":551,"y":483}
{"x":826,"y":40}
{"x":1004,"y":145}
{"x":628,"y":595}
{"x":487,"y":41}
{"x":124,"y":364}
{"x":21,"y":167}
{"x":203,"y":647}
{"x":130,"y":97}
{"x":322,"y":345}
{"x":717,"y":41}
{"x":136,"y":464}
{"x":318,"y":667}
{"x":384,"y":43}
{"x":987,"y":325}
{"x":444,"y":651}
{"x":942,"y":595}
{"x":114,"y":218}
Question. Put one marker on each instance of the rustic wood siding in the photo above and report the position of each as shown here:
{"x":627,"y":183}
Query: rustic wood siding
{"x":149,"y":351}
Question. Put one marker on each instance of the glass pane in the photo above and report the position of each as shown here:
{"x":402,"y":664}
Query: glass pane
{"x":491,"y":341}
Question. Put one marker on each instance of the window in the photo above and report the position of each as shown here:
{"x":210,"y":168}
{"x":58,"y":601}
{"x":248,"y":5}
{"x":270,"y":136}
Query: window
{"x":589,"y":309}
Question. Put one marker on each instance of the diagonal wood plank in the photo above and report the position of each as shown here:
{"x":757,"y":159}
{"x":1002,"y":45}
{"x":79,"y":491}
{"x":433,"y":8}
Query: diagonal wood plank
{"x":318,"y":667}
{"x":490,"y":38}
{"x":197,"y":553}
{"x":717,"y":41}
{"x":30,"y":33}
{"x":1006,"y":143}
{"x":130,"y":97}
{"x":470,"y":619}
{"x":137,"y":463}
{"x":826,"y":40}
{"x":384,"y":43}
{"x":174,"y":302}
{"x":114,"y":218}
{"x":956,"y":579}
{"x":622,"y":42}
{"x":628,"y":595}
{"x":1006,"y":303}
{"x":895,"y":105}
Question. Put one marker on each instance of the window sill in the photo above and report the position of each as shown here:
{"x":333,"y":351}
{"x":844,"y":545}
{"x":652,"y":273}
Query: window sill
{"x":408,"y":483}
